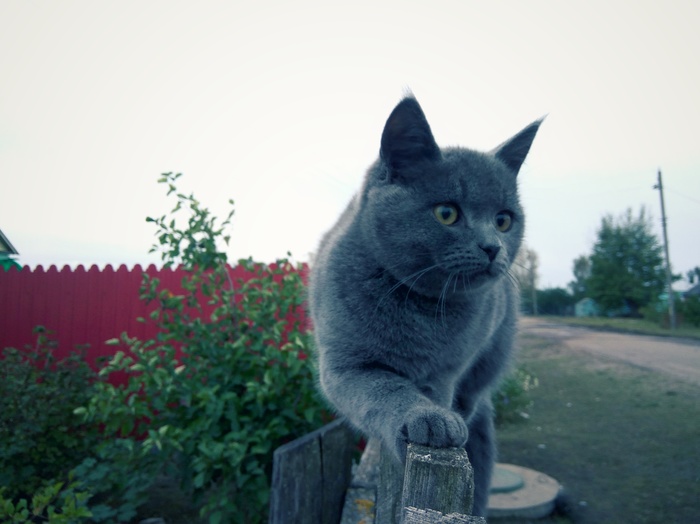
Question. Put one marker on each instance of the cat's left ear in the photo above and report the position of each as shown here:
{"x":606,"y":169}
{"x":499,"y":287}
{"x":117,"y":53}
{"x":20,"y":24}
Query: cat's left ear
{"x":513,"y":151}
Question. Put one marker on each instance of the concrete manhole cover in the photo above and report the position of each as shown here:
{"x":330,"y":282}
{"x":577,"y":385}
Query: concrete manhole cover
{"x":521,"y":492}
{"x":505,"y":480}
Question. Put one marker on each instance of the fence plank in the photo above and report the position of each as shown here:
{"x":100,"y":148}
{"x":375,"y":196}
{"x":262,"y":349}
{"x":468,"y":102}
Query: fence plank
{"x":66,"y":298}
{"x":336,"y":452}
{"x":310,"y":476}
{"x":80,"y":314}
{"x":296,"y":483}
{"x":14,"y":304}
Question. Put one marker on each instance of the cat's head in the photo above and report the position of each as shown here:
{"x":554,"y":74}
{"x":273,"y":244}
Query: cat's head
{"x":443,"y":221}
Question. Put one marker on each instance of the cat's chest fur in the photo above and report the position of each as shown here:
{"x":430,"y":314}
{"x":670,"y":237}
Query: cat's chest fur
{"x":431,"y":341}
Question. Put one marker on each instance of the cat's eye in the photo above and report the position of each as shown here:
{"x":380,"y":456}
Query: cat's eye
{"x":504,"y":221}
{"x":446,"y":214}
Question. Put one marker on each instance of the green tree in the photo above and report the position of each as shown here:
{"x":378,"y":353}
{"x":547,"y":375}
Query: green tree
{"x":582,"y":271}
{"x":627,"y":268}
{"x":555,"y":301}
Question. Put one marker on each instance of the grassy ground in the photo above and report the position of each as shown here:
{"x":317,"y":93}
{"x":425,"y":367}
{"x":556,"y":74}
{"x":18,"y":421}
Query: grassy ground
{"x":624,"y":442}
{"x":630,"y":325}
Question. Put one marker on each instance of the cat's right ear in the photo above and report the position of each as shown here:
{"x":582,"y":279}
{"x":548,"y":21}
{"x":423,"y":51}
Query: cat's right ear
{"x":407,"y":139}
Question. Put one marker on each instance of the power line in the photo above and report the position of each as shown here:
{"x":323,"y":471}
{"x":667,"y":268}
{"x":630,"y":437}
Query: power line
{"x":678,"y":193}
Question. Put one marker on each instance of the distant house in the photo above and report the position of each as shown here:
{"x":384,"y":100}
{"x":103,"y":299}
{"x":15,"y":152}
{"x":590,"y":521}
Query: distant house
{"x":7,"y":251}
{"x":586,"y":307}
{"x":692,"y":292}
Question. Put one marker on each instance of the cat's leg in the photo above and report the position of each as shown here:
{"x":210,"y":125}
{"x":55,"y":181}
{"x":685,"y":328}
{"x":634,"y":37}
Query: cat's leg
{"x":481,"y":448}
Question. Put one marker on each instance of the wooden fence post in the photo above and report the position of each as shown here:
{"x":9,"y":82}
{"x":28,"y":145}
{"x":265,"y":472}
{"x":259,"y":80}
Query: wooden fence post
{"x":436,"y":486}
{"x":310,"y":476}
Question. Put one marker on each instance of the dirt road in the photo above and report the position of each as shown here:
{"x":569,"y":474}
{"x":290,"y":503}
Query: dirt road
{"x":677,"y":357}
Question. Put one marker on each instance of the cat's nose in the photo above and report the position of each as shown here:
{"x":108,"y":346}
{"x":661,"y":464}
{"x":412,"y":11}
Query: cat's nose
{"x":491,"y":251}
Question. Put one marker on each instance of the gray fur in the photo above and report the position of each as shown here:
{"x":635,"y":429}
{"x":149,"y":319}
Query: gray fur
{"x":413,"y":322}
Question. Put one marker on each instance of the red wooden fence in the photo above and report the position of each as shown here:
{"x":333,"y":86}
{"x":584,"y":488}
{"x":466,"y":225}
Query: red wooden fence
{"x":81,"y":306}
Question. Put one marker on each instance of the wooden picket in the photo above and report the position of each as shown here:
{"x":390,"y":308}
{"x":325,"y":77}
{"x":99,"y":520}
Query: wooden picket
{"x":310,"y":476}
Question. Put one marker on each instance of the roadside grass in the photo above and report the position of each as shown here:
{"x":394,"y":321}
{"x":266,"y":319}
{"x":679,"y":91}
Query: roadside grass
{"x":628,"y":325}
{"x":623,"y":441}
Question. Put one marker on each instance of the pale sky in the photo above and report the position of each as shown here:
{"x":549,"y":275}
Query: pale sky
{"x":280,"y":106}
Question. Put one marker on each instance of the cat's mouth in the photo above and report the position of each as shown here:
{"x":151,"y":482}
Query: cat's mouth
{"x":474,"y":279}
{"x":465,"y":280}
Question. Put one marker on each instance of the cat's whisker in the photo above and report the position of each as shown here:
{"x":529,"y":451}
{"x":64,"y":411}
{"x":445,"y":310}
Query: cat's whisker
{"x":514,"y":279}
{"x":412,"y":277}
{"x":523,"y":266}
{"x":416,"y":280}
{"x":441,"y":307}
{"x":444,"y":302}
{"x":398,"y":266}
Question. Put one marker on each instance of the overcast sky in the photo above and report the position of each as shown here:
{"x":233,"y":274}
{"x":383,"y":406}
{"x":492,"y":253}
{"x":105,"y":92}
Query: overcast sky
{"x":280,"y":106}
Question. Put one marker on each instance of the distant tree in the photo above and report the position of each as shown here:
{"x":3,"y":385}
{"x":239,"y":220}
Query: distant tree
{"x":627,"y":269}
{"x":693,"y":275}
{"x":525,"y":271}
{"x":555,"y":301}
{"x":582,"y":271}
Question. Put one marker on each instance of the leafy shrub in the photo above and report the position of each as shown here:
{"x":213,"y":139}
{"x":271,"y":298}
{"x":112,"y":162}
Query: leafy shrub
{"x":512,"y":398}
{"x":687,"y":312}
{"x":690,"y":309}
{"x":225,"y":382}
{"x":41,"y":439}
{"x":55,"y":503}
{"x":655,"y":313}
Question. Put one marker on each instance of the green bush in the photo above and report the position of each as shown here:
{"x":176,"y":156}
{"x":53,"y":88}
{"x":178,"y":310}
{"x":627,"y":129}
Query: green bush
{"x":41,"y":439}
{"x":225,"y":382}
{"x":655,"y":313}
{"x":512,"y":397}
{"x":690,"y":310}
{"x":687,"y":312}
{"x":55,"y":503}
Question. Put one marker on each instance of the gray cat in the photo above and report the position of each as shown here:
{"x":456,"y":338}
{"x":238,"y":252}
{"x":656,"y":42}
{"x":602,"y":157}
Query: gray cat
{"x":411,"y":299}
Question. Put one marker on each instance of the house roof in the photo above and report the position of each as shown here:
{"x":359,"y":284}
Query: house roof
{"x":6,"y":246}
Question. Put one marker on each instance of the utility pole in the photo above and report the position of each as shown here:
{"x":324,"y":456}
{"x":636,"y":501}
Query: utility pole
{"x":671,"y":308}
{"x":532,"y":276}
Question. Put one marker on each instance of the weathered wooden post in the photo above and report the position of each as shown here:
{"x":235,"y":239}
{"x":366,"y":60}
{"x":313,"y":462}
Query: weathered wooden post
{"x":436,"y":486}
{"x":310,"y":476}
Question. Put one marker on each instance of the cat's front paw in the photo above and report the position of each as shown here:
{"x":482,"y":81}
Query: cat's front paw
{"x":435,"y":427}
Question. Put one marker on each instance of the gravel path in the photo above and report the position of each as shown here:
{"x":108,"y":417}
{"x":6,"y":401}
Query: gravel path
{"x":677,"y":357}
